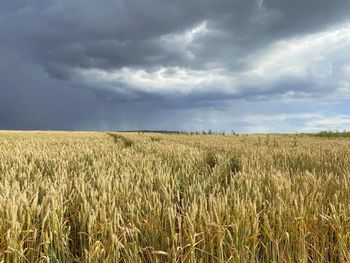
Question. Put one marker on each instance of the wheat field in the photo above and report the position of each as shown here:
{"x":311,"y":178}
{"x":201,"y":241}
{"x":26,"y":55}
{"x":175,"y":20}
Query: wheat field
{"x":129,"y":197}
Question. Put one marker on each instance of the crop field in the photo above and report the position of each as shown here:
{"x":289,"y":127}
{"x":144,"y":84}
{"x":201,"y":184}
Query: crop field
{"x":142,"y":197}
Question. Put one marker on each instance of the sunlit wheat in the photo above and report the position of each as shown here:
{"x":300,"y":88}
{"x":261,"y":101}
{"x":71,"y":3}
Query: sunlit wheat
{"x":97,"y":197}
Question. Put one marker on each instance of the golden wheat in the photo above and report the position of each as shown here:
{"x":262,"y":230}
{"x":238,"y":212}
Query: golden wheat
{"x":98,"y":197}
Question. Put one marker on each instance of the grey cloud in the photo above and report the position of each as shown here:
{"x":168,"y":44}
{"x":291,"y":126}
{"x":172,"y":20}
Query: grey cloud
{"x":127,"y":33}
{"x":29,"y":100}
{"x":44,"y":43}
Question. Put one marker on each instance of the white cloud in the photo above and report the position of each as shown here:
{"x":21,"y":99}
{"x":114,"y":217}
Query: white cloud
{"x":317,"y":59}
{"x":162,"y":80}
{"x":180,"y":42}
{"x":323,"y":122}
{"x":346,"y":71}
{"x":280,"y":117}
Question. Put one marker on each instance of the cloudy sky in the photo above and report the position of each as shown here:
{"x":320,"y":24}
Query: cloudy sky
{"x":243,"y":65}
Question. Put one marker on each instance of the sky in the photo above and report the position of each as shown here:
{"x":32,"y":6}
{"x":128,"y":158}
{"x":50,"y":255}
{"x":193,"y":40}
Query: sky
{"x":249,"y":66}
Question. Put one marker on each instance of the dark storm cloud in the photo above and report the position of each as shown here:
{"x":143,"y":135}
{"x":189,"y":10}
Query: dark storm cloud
{"x":29,"y":100}
{"x":63,"y":63}
{"x":128,"y":33}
